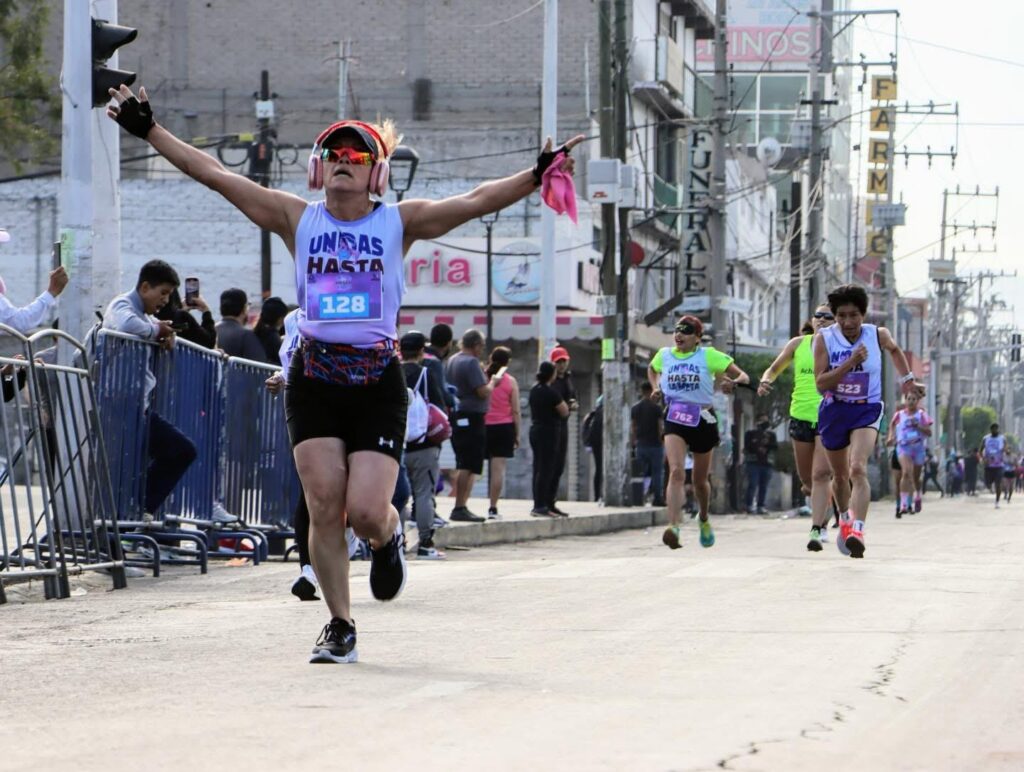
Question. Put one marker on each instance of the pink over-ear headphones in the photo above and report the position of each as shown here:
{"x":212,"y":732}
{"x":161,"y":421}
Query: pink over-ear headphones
{"x":380,"y":172}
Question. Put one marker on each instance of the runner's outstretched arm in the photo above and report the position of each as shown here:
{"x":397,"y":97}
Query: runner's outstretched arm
{"x":425,"y":219}
{"x":274,"y":210}
{"x":775,"y":368}
{"x":899,"y":361}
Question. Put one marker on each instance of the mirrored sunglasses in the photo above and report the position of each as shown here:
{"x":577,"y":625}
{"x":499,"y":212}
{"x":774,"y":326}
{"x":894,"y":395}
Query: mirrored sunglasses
{"x":823,"y":315}
{"x":347,"y":154}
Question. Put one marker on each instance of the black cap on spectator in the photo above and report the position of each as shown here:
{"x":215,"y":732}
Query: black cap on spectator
{"x":413,"y":341}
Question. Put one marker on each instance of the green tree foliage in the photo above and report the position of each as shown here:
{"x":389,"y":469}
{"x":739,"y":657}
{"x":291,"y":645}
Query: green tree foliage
{"x":976,"y":421}
{"x":29,"y":97}
{"x":775,"y":404}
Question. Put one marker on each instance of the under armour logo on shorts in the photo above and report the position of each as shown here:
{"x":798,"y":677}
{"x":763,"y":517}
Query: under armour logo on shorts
{"x":382,"y":442}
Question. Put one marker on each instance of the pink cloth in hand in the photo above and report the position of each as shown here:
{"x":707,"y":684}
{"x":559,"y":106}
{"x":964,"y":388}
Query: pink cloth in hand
{"x":557,"y":189}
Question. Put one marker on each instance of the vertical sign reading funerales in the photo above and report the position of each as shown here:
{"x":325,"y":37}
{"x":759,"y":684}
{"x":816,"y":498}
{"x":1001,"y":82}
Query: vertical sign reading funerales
{"x":696,"y":238}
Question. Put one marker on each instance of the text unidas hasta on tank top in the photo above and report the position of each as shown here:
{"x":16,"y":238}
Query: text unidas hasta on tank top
{"x":341,"y":252}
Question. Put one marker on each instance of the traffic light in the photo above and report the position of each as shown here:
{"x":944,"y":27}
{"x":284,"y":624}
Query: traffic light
{"x":106,"y":39}
{"x":1015,"y":350}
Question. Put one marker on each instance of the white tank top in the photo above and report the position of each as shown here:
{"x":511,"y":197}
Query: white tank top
{"x":349,"y":276}
{"x":864,"y":382}
{"x":688,"y":380}
{"x":907,"y":427}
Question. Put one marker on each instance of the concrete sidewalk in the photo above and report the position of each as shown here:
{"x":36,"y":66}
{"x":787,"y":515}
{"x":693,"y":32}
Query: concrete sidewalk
{"x":586,"y":518}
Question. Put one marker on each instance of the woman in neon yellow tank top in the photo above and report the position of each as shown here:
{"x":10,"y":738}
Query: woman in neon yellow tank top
{"x":686,"y":376}
{"x":811,"y":462}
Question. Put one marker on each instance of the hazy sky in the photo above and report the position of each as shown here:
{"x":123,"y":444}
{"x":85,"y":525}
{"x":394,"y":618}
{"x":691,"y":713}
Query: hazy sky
{"x":991,"y":97}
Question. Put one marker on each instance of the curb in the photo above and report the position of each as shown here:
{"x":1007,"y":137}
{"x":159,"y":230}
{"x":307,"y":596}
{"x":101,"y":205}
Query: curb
{"x":511,"y":531}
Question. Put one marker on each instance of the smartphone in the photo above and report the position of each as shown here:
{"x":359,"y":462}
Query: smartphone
{"x":55,"y":256}
{"x":191,"y":290}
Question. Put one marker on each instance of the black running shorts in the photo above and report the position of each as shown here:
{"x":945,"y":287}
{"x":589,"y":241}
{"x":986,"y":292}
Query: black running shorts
{"x":469,"y":441}
{"x":501,"y":440}
{"x":802,"y":431}
{"x":700,"y":438}
{"x":993,"y":475}
{"x":363,"y":417}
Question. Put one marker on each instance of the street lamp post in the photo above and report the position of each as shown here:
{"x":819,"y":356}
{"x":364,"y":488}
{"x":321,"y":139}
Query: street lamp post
{"x":488,"y":220}
{"x":404,"y":161}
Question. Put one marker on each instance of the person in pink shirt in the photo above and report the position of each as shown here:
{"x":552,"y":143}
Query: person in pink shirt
{"x":502,"y":424}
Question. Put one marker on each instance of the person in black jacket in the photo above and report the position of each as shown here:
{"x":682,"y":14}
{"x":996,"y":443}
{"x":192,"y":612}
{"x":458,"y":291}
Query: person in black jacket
{"x":203,"y":334}
{"x":564,"y":387}
{"x":268,"y":326}
{"x":547,"y":412}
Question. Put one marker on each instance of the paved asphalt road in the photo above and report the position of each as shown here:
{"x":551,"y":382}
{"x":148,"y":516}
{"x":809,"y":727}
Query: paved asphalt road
{"x":607,"y":652}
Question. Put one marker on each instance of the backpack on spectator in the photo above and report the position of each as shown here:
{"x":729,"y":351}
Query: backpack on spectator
{"x":417,"y":419}
{"x":439,"y":428}
{"x":587,"y":430}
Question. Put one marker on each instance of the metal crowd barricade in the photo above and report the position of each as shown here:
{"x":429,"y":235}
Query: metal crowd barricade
{"x":243,"y":457}
{"x":121,"y":365}
{"x":260,"y":481}
{"x":57,"y":510}
{"x":190,"y":394}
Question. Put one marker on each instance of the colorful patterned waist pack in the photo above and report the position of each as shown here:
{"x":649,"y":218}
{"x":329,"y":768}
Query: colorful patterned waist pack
{"x":345,"y":365}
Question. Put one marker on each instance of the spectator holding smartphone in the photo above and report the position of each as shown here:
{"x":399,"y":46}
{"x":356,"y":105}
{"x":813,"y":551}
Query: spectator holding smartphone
{"x":27,"y":317}
{"x":185,"y":325}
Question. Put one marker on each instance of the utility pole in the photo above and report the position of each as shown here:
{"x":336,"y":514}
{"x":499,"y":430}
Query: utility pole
{"x":795,"y":234}
{"x":614,"y":275}
{"x":76,"y":204}
{"x":815,"y":195}
{"x":951,"y":326}
{"x":549,"y":128}
{"x":344,"y":53}
{"x":261,"y":156}
{"x":718,"y":289}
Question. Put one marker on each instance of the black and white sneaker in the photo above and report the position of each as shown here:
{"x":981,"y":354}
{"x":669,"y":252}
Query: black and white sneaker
{"x":387,"y":568}
{"x":336,"y":644}
{"x":304,"y":587}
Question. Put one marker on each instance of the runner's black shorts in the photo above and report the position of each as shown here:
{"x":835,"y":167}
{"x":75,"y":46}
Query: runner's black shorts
{"x":469,"y":441}
{"x":501,"y":440}
{"x":992,"y":475}
{"x":701,"y":438}
{"x":802,"y":431}
{"x":362,"y":417}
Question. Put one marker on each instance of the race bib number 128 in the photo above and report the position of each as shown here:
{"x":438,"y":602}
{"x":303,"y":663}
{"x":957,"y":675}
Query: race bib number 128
{"x":344,"y":297}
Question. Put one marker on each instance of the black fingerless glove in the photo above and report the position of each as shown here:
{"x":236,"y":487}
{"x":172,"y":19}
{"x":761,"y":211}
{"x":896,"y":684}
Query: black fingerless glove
{"x":544,"y":160}
{"x":136,"y":117}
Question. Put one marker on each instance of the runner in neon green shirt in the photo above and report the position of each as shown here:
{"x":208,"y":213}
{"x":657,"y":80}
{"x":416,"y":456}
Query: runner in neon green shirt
{"x":686,"y":375}
{"x":811,"y":462}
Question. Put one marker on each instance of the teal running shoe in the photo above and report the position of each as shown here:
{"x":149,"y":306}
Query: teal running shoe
{"x":707,"y":536}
